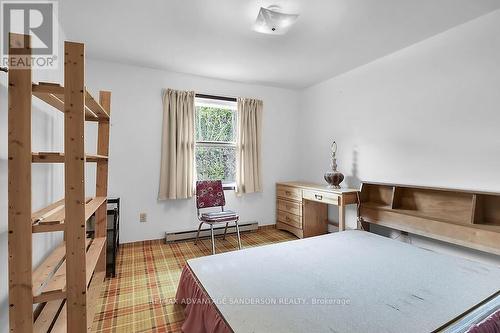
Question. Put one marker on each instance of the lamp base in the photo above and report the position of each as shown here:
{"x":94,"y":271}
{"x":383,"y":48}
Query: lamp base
{"x":334,"y":178}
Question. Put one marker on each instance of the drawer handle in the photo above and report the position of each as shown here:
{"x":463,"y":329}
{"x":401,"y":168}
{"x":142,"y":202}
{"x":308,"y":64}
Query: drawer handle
{"x":318,"y":197}
{"x":288,"y":193}
{"x":287,"y":219}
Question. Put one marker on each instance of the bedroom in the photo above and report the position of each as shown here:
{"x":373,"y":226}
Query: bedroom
{"x":408,"y":90}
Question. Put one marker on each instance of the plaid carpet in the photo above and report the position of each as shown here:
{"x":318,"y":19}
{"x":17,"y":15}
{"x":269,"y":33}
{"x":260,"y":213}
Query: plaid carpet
{"x":140,"y":298}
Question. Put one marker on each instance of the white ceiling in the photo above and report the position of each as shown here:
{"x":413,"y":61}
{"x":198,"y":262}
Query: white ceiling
{"x":214,"y":38}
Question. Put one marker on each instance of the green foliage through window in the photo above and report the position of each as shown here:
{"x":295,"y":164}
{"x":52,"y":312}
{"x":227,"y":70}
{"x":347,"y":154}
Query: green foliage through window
{"x":215,"y":154}
{"x":216,"y":163}
{"x":215,"y":124}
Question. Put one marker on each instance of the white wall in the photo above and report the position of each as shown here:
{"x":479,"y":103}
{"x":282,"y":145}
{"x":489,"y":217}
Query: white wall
{"x":428,"y":115}
{"x":136,"y":138}
{"x":47,"y":179}
{"x":425,"y":115}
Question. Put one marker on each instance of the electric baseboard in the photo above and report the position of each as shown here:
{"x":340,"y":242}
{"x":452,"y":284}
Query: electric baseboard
{"x":219,"y":230}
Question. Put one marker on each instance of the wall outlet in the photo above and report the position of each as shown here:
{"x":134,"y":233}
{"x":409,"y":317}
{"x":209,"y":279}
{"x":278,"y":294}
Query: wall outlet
{"x":143,"y":217}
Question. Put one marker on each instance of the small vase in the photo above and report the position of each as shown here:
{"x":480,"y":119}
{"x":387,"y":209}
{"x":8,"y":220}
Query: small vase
{"x":334,"y":178}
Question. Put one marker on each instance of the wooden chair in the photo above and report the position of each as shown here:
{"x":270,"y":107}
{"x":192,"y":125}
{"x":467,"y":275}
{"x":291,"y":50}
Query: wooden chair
{"x":210,"y":194}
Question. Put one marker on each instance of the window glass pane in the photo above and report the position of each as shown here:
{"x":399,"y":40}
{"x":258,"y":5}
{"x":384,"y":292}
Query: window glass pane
{"x":215,"y":124}
{"x":214,"y":163}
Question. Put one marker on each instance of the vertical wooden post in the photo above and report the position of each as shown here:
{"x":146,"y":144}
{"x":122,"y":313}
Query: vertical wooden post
{"x":74,"y":175}
{"x":102,"y":174}
{"x":341,"y":217}
{"x":19,"y":196}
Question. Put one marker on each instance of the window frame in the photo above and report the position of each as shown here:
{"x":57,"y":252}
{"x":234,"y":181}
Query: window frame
{"x":227,"y":185}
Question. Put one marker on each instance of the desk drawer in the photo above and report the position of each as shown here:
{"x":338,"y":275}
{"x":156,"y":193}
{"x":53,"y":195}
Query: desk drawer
{"x":290,"y":207}
{"x":319,"y":196}
{"x":288,"y":192}
{"x":290,"y":219}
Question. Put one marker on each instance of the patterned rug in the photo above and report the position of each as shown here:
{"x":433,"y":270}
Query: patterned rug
{"x":140,"y":297}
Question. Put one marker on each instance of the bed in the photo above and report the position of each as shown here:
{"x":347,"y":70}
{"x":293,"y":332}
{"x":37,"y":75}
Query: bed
{"x":353,"y":281}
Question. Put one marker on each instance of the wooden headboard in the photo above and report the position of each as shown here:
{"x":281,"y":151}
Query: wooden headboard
{"x":466,"y":218}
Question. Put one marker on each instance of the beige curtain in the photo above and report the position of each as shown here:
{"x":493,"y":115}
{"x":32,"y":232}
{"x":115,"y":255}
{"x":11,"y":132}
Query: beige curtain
{"x":249,"y":160}
{"x":177,"y":148}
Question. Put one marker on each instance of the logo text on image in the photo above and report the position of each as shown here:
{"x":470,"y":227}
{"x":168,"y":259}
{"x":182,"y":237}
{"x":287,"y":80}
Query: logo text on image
{"x":37,"y":19}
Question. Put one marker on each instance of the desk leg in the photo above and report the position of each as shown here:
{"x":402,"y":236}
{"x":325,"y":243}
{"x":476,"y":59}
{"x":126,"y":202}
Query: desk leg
{"x":341,"y":218}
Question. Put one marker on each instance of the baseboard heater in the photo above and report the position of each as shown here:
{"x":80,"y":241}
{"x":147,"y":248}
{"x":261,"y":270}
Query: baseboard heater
{"x":219,"y":230}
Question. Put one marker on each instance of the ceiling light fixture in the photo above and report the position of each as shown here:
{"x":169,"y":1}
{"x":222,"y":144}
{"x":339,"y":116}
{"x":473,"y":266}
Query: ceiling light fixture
{"x":273,"y":21}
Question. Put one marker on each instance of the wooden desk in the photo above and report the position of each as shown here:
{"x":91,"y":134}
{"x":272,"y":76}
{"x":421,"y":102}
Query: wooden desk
{"x":302,"y":208}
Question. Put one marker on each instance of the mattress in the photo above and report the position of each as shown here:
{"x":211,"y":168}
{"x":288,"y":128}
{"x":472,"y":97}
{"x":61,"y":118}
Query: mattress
{"x":352,"y":281}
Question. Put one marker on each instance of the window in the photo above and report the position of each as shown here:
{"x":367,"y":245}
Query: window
{"x":215,"y":133}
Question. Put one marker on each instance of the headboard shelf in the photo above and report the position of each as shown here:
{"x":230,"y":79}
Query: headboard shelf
{"x":487,"y":209}
{"x":461,"y":217}
{"x":376,"y":194}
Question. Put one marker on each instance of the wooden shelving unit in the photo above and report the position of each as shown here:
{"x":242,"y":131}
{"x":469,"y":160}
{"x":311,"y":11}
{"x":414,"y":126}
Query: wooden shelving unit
{"x":467,"y":218}
{"x":66,"y":285}
{"x":55,"y":157}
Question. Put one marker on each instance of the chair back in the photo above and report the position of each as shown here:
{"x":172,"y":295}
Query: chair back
{"x":209,"y":193}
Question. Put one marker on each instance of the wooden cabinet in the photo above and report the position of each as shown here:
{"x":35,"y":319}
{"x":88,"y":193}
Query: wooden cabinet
{"x":289,"y":209}
{"x":466,"y":218}
{"x":302,"y":208}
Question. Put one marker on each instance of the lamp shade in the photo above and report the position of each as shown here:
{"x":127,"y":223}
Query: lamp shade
{"x":272,"y":21}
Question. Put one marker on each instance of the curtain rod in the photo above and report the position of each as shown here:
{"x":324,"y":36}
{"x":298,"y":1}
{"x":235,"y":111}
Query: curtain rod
{"x":221,"y":98}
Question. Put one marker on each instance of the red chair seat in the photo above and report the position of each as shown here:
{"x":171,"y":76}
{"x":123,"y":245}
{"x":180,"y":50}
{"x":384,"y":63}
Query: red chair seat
{"x":215,"y":217}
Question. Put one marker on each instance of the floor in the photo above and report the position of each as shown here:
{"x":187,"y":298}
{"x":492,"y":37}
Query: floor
{"x":140,"y":297}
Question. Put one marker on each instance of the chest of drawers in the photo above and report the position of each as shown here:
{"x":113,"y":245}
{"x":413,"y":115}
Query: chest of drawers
{"x":302,"y":208}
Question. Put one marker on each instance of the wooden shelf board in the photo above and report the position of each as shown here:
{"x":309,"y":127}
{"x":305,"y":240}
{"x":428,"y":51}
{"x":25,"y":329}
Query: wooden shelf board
{"x":489,"y":227}
{"x":430,"y":217}
{"x":483,"y":240}
{"x":50,"y":296}
{"x":57,"y":101}
{"x":490,"y":222}
{"x":93,"y":254}
{"x":376,"y":205}
{"x":53,"y":94}
{"x":41,"y":227}
{"x":49,"y":314}
{"x":94,"y":106}
{"x":60,"y":326}
{"x":55,"y":287}
{"x":95,"y":158}
{"x":56,"y":157}
{"x":47,"y":268}
{"x":50,"y":276}
{"x":93,"y":292}
{"x":413,"y":213}
{"x":47,"y":211}
{"x":51,"y":218}
{"x":93,"y":205}
{"x":409,"y":186}
{"x":47,"y":88}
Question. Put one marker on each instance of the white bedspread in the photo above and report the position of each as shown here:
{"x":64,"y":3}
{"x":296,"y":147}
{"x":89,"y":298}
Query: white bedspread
{"x":371,"y":283}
